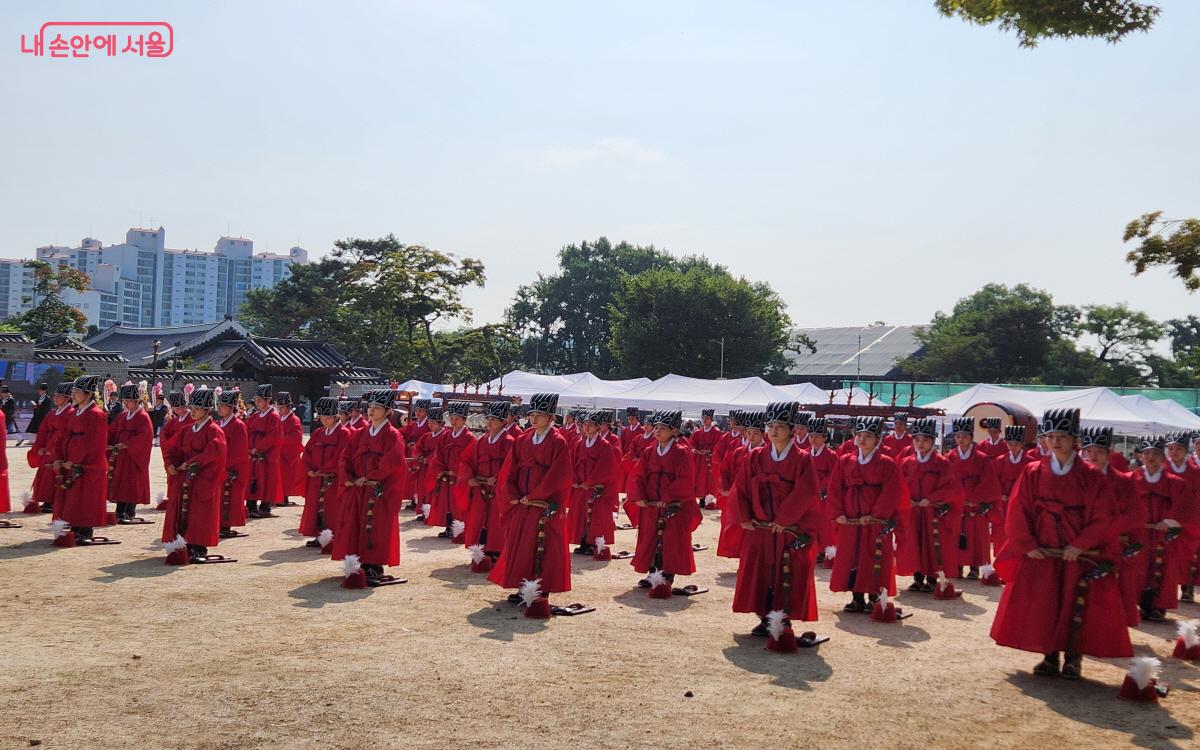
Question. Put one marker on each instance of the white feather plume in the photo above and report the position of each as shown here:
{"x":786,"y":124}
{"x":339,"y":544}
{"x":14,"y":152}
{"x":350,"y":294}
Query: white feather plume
{"x":985,"y":571}
{"x":325,"y":537}
{"x":58,"y":527}
{"x":601,"y":545}
{"x":830,"y":552}
{"x":26,"y":496}
{"x":1144,"y":669}
{"x":656,"y":579}
{"x":1187,"y":631}
{"x":217,"y":392}
{"x":883,"y":598}
{"x":941,"y":581}
{"x":529,"y":590}
{"x":775,"y":620}
{"x":143,"y":389}
{"x":350,"y":565}
{"x":425,"y":510}
{"x":175,"y":544}
{"x":457,"y":528}
{"x":162,"y":497}
{"x":477,"y":553}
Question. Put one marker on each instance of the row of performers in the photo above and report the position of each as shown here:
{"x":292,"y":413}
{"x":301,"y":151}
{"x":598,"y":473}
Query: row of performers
{"x":1086,"y":548}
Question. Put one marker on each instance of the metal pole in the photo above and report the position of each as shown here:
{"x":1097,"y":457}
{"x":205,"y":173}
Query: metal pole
{"x":722,"y":375}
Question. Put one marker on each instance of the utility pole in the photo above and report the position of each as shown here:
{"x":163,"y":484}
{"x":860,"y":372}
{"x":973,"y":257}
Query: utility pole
{"x":858,"y":364}
{"x":722,"y":375}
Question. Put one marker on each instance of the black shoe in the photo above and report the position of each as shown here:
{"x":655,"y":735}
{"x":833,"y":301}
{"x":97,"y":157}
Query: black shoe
{"x":761,"y":629}
{"x":47,"y":507}
{"x":514,"y":598}
{"x":644,"y":583}
{"x":312,"y":543}
{"x":227,"y":534}
{"x":447,"y":534}
{"x":973,"y":573}
{"x":1047,"y":667}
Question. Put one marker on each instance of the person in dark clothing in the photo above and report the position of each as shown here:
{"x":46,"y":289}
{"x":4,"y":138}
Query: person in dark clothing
{"x":8,"y":405}
{"x":159,"y":413}
{"x":41,"y":406}
{"x":113,"y":407}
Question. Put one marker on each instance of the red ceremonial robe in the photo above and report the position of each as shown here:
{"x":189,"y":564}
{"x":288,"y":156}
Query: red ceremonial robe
{"x":897,"y":446}
{"x":823,"y":463}
{"x":732,"y":473}
{"x":1163,"y":499}
{"x":5,"y":498}
{"x":323,"y":493}
{"x":781,"y":491}
{"x":370,"y":516}
{"x":859,"y":490}
{"x":1191,"y":527}
{"x":167,"y":435}
{"x":292,"y":476}
{"x":205,"y":449}
{"x":633,"y":468}
{"x":630,"y":453}
{"x":1128,"y":523}
{"x":237,"y":472}
{"x":595,"y":464}
{"x":46,"y":449}
{"x":918,"y":549}
{"x":669,"y":478}
{"x":85,"y":443}
{"x":425,"y":448}
{"x":981,"y":498}
{"x":1117,"y":460}
{"x":447,"y":497}
{"x":704,"y":444}
{"x":130,"y":482}
{"x":1007,"y":473}
{"x":264,"y":433}
{"x":988,"y":449}
{"x":412,"y":433}
{"x":538,"y":470}
{"x":484,"y":459}
{"x":1053,"y":511}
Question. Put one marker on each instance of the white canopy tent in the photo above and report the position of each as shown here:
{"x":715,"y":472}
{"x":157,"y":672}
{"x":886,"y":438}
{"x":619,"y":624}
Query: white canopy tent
{"x":1169,"y":411}
{"x":693,"y":394}
{"x":423,"y":389}
{"x":1099,"y":407}
{"x":574,"y":389}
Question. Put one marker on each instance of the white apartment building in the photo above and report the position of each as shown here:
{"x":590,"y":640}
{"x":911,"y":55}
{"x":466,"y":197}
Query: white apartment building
{"x":143,"y":283}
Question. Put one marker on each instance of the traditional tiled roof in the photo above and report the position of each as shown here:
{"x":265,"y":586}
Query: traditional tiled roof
{"x":15,"y":338}
{"x":289,"y":354}
{"x":174,"y":341}
{"x":63,"y":342}
{"x":82,"y":355}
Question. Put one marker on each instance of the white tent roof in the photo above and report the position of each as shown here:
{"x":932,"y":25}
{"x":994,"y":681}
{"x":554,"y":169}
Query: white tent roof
{"x":1099,"y":407}
{"x":1168,"y":410}
{"x":423,"y":389}
{"x":693,"y":394}
{"x":574,"y":389}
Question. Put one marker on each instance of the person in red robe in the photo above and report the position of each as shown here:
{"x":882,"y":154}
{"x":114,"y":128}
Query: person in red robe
{"x":981,"y":496}
{"x":637,"y":451}
{"x":1164,"y":501}
{"x":237,"y":463}
{"x":321,"y":462}
{"x":292,"y":479}
{"x":373,"y":491}
{"x":264,"y":435}
{"x":704,"y":444}
{"x":994,"y":445}
{"x":1041,"y":450}
{"x":424,"y":451}
{"x":595,"y":467}
{"x":193,"y":507}
{"x":927,"y":540}
{"x":83,"y":463}
{"x":176,"y":419}
{"x":604,"y":420}
{"x":730,"y":439}
{"x":898,"y":443}
{"x":1008,"y":469}
{"x":867,"y":497}
{"x":571,"y":426}
{"x":802,"y":429}
{"x":130,"y":439}
{"x":664,"y":493}
{"x":413,"y":430}
{"x":732,"y":471}
{"x":780,"y":515}
{"x":447,"y":496}
{"x":1178,"y":465}
{"x":630,"y":434}
{"x":1127,"y":515}
{"x":824,"y":459}
{"x":479,"y":470}
{"x":46,"y":449}
{"x":535,"y":493}
{"x":1061,"y":597}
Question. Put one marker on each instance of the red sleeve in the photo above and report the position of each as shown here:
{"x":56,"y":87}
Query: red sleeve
{"x":96,"y":456}
{"x":390,"y":462}
{"x":558,"y":475}
{"x":309,"y":456}
{"x":801,"y":507}
{"x":1098,"y":530}
{"x":835,"y":497}
{"x":1018,"y":523}
{"x":139,"y":445}
{"x":273,"y":436}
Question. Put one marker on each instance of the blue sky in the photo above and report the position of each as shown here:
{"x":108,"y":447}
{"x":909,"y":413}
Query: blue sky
{"x":871,"y":159}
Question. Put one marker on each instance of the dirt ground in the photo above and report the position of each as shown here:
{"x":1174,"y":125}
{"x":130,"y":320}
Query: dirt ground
{"x":109,"y":647}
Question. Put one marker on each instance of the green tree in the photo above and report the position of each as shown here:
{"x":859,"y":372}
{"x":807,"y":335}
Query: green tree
{"x":476,"y":355}
{"x":564,"y":319}
{"x":1174,"y":243}
{"x":50,"y":315}
{"x":381,"y":302}
{"x":1034,"y":20}
{"x":1123,"y":336}
{"x":673,"y":320}
{"x":996,"y":335}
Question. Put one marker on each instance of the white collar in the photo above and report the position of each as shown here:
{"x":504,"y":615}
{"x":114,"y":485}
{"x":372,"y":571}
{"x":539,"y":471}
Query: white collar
{"x":590,"y":441}
{"x":898,"y":436}
{"x":265,"y":412}
{"x":994,"y":442}
{"x":668,"y":446}
{"x":1061,"y":469}
{"x":432,"y":433}
{"x":79,"y":410}
{"x":353,"y":420}
{"x":923,"y":460}
{"x":375,"y":428}
{"x":965,"y":456}
{"x":131,"y":414}
{"x":1178,"y":468}
{"x":200,"y":425}
{"x":421,"y":422}
{"x":707,"y":429}
{"x":817,"y":451}
{"x":539,"y":437}
{"x":225,"y":422}
{"x":459,"y":431}
{"x":866,"y":459}
{"x":1015,"y":459}
{"x":493,"y":438}
{"x":330,"y":430}
{"x":776,"y":455}
{"x":1152,"y":478}
{"x":63,"y":408}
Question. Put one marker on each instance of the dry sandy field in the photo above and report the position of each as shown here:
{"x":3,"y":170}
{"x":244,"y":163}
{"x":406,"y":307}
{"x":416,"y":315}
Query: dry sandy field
{"x":108,"y":647}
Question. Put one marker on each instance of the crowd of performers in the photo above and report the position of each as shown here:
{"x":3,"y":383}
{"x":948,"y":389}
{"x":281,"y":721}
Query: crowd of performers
{"x":1085,"y":545}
